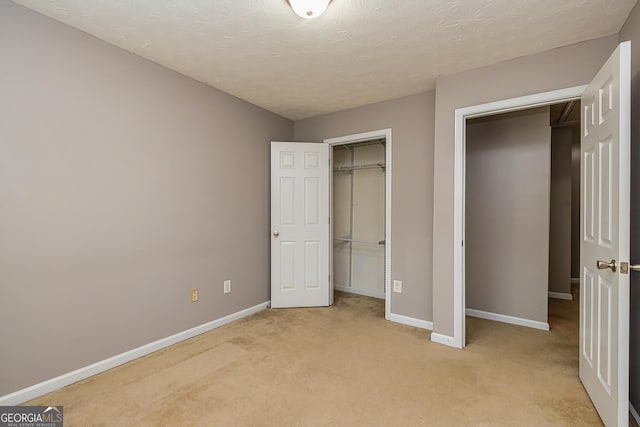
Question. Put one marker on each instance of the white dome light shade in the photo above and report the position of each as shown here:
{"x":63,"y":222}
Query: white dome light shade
{"x":309,"y":9}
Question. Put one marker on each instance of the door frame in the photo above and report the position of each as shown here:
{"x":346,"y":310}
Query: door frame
{"x":350,"y":139}
{"x":461,"y":115}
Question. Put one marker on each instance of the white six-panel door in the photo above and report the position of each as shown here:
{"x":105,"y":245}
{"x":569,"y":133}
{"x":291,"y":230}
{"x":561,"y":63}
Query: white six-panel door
{"x":299,"y":225}
{"x":604,"y":291}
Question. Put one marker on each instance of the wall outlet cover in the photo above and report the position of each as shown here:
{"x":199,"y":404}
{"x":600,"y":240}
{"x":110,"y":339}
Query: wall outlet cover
{"x":195,"y":295}
{"x":227,"y":286}
{"x":397,"y":286}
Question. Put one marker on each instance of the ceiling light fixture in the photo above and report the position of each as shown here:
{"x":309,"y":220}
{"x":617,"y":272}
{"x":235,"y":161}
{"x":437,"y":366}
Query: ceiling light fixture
{"x":309,"y":9}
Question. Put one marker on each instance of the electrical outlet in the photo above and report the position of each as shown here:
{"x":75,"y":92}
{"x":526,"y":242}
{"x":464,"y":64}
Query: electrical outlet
{"x":195,"y":295}
{"x":227,"y":286}
{"x":397,"y":286}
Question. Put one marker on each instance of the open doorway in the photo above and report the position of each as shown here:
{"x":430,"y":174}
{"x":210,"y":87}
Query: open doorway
{"x":462,"y":115}
{"x":360,"y":197}
{"x":605,"y":146}
{"x":358,"y":212}
{"x":518,"y":217}
{"x":302,"y":227}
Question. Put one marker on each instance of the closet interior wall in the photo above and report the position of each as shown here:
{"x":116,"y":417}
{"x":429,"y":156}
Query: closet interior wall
{"x":359,"y":217}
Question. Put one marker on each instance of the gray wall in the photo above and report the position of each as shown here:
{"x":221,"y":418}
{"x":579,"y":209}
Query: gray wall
{"x":631,"y":31}
{"x":122,"y":186}
{"x":508,"y":166}
{"x":411,"y":120}
{"x":555,"y":69}
{"x":560,"y":210}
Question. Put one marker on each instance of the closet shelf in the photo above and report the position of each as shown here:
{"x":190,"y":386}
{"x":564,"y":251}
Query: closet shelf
{"x":381,"y":141}
{"x":349,"y":239}
{"x":356,"y":167}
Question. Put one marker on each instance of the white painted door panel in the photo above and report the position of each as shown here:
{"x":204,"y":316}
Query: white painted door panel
{"x":299,"y":225}
{"x":604,"y":294}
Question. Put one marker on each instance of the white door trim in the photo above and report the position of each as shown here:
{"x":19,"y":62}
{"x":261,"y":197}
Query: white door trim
{"x":461,"y":116}
{"x":359,"y":137}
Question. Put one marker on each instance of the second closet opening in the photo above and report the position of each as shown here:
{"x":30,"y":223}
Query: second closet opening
{"x":358,"y":204}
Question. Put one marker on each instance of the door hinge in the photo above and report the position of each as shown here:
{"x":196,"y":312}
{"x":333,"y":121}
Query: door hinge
{"x":329,"y":220}
{"x":463,"y":243}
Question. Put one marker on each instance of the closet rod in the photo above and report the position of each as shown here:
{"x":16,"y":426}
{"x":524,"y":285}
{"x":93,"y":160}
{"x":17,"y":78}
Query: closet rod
{"x":347,"y":239}
{"x":355,"y":167}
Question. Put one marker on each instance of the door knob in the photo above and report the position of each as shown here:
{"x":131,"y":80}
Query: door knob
{"x":603,"y":265}
{"x":276,"y":233}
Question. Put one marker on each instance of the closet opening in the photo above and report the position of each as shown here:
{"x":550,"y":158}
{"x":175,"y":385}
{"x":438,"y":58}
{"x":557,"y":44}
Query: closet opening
{"x":360,"y":214}
{"x":522,"y":210}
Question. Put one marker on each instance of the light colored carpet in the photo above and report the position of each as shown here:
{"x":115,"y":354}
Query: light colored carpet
{"x":344,"y":366}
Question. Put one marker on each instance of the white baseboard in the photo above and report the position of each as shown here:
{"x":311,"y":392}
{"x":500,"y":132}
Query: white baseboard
{"x":410,"y":321}
{"x":442,"y":339}
{"x":575,"y":280}
{"x":359,"y":291}
{"x":56,"y":383}
{"x":634,"y":413}
{"x":561,"y":295}
{"x":508,"y":319}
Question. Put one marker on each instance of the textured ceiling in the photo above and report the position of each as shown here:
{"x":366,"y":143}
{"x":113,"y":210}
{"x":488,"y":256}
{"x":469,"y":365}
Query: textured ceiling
{"x":358,"y":52}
